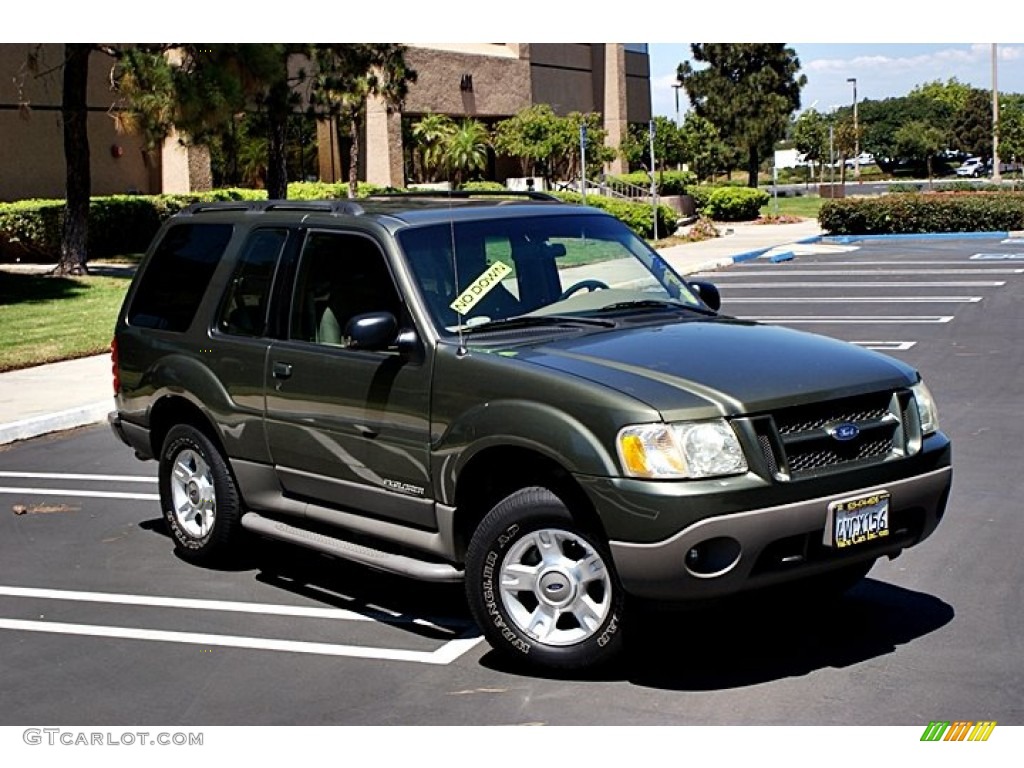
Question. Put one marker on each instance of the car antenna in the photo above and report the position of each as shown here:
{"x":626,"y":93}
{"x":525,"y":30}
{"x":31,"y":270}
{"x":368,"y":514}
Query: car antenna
{"x":455,"y":271}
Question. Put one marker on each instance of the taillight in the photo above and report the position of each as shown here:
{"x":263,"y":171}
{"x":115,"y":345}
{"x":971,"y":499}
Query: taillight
{"x":114,"y":367}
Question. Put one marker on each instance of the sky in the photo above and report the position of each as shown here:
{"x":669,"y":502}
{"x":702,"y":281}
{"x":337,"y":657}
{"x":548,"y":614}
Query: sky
{"x":881,"y":70}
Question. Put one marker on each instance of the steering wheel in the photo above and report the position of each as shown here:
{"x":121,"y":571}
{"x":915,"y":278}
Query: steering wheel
{"x":589,"y":285}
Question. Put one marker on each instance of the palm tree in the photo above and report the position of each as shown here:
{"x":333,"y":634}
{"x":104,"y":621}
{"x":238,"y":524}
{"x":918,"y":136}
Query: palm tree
{"x":350,"y":73}
{"x":466,"y":149}
{"x":430,"y":133}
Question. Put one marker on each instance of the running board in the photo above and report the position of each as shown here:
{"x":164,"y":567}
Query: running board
{"x":330,"y":545}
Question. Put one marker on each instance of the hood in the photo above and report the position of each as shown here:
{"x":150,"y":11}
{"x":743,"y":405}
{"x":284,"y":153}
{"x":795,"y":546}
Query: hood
{"x":731,"y":365}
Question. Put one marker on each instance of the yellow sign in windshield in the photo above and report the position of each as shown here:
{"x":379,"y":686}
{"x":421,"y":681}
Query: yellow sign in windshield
{"x":481,"y":286}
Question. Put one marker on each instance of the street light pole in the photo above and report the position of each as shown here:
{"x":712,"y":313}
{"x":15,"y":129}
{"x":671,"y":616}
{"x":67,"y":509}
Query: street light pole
{"x":856,"y":131}
{"x":676,"y":87}
{"x":996,"y":175}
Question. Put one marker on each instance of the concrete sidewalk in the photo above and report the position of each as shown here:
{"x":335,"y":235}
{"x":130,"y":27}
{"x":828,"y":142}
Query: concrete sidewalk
{"x":74,"y":393}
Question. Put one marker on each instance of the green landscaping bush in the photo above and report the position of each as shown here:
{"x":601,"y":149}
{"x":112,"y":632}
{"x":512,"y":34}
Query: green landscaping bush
{"x":483,"y":186}
{"x":914,"y":213}
{"x":636,"y":216}
{"x":733,"y":203}
{"x":669,"y":182}
{"x":30,"y":230}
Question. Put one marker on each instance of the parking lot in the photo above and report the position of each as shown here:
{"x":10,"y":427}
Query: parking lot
{"x":101,"y":624}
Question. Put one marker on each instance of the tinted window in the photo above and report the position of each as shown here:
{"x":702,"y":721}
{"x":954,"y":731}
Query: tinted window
{"x":177,"y":276}
{"x":244,"y":312}
{"x":340,"y":276}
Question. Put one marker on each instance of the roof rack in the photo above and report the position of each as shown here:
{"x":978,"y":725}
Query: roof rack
{"x":463,"y":194}
{"x":264,"y":206}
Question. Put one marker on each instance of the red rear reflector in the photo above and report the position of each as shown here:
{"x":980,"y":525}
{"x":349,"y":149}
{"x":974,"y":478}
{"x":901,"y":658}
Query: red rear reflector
{"x":114,"y":368}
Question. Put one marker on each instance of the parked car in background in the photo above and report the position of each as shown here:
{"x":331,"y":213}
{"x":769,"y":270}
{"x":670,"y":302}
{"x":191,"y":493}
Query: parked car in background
{"x":973,"y":167}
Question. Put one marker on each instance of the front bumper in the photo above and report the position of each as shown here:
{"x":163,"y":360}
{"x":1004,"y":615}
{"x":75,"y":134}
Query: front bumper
{"x":772,"y":545}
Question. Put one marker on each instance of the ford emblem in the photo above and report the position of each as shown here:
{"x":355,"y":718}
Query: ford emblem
{"x":844,"y":432}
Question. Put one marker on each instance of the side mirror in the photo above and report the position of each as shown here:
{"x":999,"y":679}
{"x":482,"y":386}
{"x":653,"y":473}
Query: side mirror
{"x":708,"y":293}
{"x":373,"y":331}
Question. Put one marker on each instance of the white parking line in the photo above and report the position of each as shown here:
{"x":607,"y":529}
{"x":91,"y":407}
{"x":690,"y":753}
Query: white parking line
{"x":854,"y":284}
{"x":855,"y":300}
{"x":886,"y":346}
{"x":79,"y":492}
{"x":446,"y":654}
{"x":855,"y":263}
{"x":463,"y":633}
{"x":850,"y":319}
{"x":922,"y":272}
{"x":88,"y":478}
{"x":270,"y":609}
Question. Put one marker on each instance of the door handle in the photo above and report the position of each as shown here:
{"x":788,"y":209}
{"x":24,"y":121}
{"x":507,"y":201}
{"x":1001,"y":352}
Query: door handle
{"x":281,"y":370}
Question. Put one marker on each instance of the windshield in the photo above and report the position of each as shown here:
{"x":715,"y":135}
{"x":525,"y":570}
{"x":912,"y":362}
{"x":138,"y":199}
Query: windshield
{"x":538,"y":266}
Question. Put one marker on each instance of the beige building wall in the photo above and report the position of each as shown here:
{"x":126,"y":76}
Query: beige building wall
{"x":493,"y":81}
{"x":32,"y":143}
{"x":486,"y":81}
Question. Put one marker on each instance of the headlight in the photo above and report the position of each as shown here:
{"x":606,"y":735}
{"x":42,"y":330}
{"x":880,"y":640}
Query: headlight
{"x":926,"y":409}
{"x":693,"y":449}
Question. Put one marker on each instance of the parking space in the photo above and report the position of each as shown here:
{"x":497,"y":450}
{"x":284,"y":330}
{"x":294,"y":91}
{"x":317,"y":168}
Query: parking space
{"x":100,"y":623}
{"x":86,"y":555}
{"x":888,"y":295}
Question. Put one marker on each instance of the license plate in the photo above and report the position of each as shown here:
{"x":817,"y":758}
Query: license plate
{"x":858,"y":520}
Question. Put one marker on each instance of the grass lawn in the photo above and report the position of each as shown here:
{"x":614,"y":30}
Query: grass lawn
{"x":45,"y":319}
{"x":805,"y":207}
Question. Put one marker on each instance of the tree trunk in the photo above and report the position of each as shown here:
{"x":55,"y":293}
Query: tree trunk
{"x":277,"y":159}
{"x":353,"y":157}
{"x":753,"y":162}
{"x":75,"y":115}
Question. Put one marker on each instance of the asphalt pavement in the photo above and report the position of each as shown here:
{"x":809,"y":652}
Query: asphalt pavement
{"x":74,"y":393}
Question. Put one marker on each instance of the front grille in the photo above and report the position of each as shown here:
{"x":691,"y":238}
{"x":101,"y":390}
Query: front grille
{"x":799,"y":442}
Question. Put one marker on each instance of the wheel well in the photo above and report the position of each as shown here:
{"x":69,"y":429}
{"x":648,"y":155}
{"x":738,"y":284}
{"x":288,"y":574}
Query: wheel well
{"x":171,"y":411}
{"x":495,"y":473}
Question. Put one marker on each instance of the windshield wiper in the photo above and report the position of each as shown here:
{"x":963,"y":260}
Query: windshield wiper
{"x":620,"y":306}
{"x":531,"y":321}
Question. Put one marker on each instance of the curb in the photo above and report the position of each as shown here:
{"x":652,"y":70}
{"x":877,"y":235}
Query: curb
{"x":845,"y":239}
{"x":35,"y":426}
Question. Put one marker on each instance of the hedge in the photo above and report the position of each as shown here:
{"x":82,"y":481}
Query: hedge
{"x":729,"y":203}
{"x":914,"y":213}
{"x":636,"y":216}
{"x":120,"y":224}
{"x":669,"y":182}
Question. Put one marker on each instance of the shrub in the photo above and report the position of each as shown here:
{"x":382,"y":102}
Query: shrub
{"x":913,"y":213}
{"x":121,"y":224}
{"x":734,"y":203}
{"x":636,"y":216}
{"x":669,"y":182}
{"x":483,"y":186}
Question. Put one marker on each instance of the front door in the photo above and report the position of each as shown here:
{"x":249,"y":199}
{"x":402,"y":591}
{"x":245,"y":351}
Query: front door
{"x":348,"y":428}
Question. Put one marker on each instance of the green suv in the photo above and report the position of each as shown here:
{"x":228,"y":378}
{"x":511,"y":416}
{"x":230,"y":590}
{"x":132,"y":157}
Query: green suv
{"x":514,"y":393}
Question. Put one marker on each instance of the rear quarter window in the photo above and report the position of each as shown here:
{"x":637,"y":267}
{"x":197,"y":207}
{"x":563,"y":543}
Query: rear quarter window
{"x":176,"y":277}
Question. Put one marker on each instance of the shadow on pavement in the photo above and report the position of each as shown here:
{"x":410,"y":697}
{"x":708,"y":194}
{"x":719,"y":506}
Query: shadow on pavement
{"x":437,"y":611}
{"x":749,"y":641}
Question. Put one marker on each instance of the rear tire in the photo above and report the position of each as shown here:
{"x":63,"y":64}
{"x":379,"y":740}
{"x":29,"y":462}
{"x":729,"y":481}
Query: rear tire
{"x":541,"y":586}
{"x":198,"y":495}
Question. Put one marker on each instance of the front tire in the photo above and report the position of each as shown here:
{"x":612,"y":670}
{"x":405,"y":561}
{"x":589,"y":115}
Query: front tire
{"x":541,"y":586}
{"x":198,"y":496}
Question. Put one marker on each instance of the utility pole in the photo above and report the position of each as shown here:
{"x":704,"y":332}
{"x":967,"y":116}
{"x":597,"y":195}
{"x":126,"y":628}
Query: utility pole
{"x":654,"y":185}
{"x":583,"y":162}
{"x":996,"y":177}
{"x":856,"y":131}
